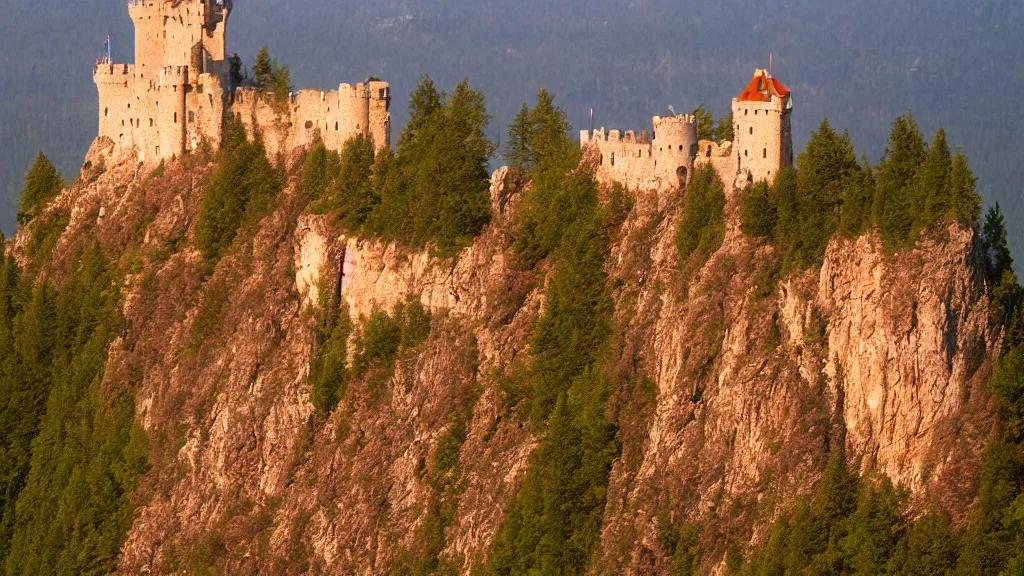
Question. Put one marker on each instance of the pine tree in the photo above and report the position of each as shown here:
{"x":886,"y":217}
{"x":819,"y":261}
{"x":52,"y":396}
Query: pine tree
{"x":759,"y":211}
{"x":964,"y":200}
{"x":904,"y":154}
{"x":42,"y":184}
{"x":520,"y":132}
{"x":263,"y":70}
{"x":930,"y":200}
{"x":705,"y":123}
{"x":424,"y":102}
{"x":281,"y":82}
{"x":537,"y":133}
{"x":858,"y":194}
{"x":996,"y":243}
{"x":724,"y":129}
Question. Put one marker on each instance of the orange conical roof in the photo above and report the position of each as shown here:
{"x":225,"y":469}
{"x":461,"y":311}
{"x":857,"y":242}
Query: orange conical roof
{"x":762,"y":87}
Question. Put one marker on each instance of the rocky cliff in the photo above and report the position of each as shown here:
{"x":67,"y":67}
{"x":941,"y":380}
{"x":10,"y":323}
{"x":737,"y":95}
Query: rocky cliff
{"x":731,"y":387}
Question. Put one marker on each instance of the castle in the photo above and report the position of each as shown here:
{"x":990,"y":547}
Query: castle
{"x":174,"y":97}
{"x":762,"y":144}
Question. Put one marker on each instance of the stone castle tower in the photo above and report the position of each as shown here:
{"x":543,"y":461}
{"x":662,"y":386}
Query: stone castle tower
{"x":763,"y":144}
{"x":762,"y":133}
{"x":174,"y":97}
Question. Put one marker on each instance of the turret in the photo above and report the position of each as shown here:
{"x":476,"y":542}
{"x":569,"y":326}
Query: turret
{"x":763,"y":136}
{"x":675,"y":147}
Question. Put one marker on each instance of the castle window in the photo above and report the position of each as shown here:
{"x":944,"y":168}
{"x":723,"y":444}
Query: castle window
{"x":751,"y":129}
{"x":150,"y":122}
{"x":175,"y":117}
{"x":746,"y":111}
{"x":602,"y":160}
{"x":745,"y":154}
{"x":122,"y":122}
{"x":336,"y":126}
{"x":129,"y":105}
{"x":765,"y":152}
{"x":105,"y":112}
{"x":191,"y":116}
{"x":755,"y":112}
{"x":613,"y":158}
{"x":680,"y":147}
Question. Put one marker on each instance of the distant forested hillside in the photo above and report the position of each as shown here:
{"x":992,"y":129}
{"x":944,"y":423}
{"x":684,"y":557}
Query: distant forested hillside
{"x":859,"y":62}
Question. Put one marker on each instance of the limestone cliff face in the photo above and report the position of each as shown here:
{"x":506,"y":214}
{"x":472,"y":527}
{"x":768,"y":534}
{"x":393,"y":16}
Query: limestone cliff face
{"x":730,"y":390}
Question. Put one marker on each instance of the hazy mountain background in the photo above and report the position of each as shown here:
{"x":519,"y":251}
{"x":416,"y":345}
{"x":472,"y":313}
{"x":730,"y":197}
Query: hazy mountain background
{"x":859,"y":62}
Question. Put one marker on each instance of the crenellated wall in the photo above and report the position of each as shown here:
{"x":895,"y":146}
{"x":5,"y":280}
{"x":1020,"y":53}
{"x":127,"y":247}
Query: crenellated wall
{"x":639,"y":162}
{"x":338,"y":115}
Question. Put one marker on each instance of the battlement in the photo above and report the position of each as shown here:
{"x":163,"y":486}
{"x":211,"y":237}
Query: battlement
{"x":110,"y":72}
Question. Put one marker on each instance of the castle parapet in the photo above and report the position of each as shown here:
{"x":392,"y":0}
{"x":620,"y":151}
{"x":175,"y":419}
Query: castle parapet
{"x":104,"y":72}
{"x":174,"y":76}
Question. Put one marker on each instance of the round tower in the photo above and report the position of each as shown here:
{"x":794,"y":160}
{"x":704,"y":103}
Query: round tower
{"x":763,"y":137}
{"x":675,"y":147}
{"x":173,"y":115}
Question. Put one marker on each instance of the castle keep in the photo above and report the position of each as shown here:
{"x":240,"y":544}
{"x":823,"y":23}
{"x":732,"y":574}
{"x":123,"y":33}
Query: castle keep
{"x":173,"y":98}
{"x":762,"y":144}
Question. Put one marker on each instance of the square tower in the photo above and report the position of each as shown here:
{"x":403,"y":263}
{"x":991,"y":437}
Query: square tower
{"x":763,"y":134}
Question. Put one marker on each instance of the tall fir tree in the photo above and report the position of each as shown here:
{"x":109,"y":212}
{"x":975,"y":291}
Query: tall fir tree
{"x":930,"y":199}
{"x":904,"y":153}
{"x":42,"y":184}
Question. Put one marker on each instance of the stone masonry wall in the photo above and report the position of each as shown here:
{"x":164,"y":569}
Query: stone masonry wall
{"x":338,"y":115}
{"x":638,"y":162}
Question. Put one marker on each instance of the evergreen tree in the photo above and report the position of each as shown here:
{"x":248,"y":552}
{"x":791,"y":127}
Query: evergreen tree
{"x":964,"y":200}
{"x":724,"y":129}
{"x":996,"y":244}
{"x":435,"y":189}
{"x":424,"y":103}
{"x":319,"y":169}
{"x":705,"y":123}
{"x":858,"y":194}
{"x":281,"y":82}
{"x":263,"y":70}
{"x":536,"y":133}
{"x":759,"y":211}
{"x":904,"y":153}
{"x":702,"y":229}
{"x":241,"y":186}
{"x":930,"y":200}
{"x":42,"y":184}
{"x":352,"y":195}
{"x":520,"y":133}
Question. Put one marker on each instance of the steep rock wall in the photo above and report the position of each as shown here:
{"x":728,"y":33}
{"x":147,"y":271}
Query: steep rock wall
{"x":728,"y":395}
